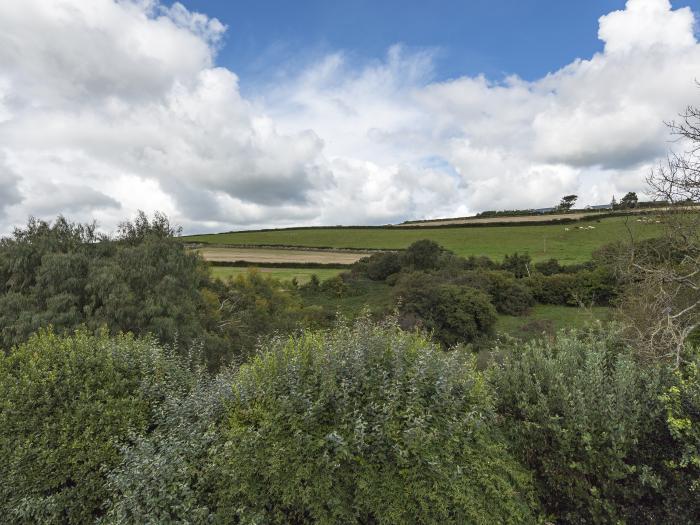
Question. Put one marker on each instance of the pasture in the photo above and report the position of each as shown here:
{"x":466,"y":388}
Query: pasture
{"x":302,"y":275}
{"x":569,"y":243}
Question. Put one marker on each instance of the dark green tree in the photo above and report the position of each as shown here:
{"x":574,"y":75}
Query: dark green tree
{"x":567,"y":202}
{"x":629,"y":200}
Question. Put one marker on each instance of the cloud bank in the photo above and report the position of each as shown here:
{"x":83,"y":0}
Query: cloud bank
{"x":108,"y":106}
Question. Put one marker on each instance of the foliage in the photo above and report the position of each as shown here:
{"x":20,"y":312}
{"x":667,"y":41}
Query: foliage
{"x":64,"y":275}
{"x":682,"y":404}
{"x":379,"y":266}
{"x":508,"y":295}
{"x":567,"y":202}
{"x":65,"y":406}
{"x":166,"y":475}
{"x":365,"y":424}
{"x":629,"y":200}
{"x":518,"y":265}
{"x":247,"y":308}
{"x":422,"y":255}
{"x":455,"y":314}
{"x":586,"y":417}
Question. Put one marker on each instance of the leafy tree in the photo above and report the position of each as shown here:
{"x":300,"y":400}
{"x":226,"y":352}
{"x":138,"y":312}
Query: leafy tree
{"x":455,"y":314}
{"x":365,"y":424}
{"x":422,"y":255}
{"x":567,"y":202}
{"x":65,"y":406}
{"x":379,"y":266}
{"x":629,"y":200}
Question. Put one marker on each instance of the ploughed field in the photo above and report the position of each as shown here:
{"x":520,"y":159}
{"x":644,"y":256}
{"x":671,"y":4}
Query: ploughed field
{"x":569,"y":243}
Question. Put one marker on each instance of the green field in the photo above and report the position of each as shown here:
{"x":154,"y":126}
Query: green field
{"x":541,"y":242}
{"x":549,"y":319}
{"x":303,"y":275}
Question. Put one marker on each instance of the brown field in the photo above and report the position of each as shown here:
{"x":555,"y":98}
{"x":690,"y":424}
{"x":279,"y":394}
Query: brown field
{"x":280,"y":255}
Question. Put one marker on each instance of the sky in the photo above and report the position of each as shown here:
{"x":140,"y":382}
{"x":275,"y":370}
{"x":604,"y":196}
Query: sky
{"x":238,"y":115}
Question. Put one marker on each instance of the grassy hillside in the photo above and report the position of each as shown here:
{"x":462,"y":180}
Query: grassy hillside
{"x":541,"y":242}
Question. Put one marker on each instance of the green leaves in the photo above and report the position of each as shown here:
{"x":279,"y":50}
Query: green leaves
{"x":67,"y":403}
{"x":366,"y":424}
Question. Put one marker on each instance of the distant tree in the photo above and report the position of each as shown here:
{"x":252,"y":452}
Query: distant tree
{"x":629,"y":201}
{"x":422,"y":255}
{"x":567,"y":202}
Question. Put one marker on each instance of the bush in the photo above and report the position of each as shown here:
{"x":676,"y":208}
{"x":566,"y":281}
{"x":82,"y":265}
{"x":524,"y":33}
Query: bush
{"x":365,"y":424}
{"x":509,"y":296}
{"x":455,"y":314}
{"x":65,"y":406}
{"x":518,"y":265}
{"x":166,"y":475}
{"x":587,"y":419}
{"x":379,"y":266}
{"x":681,"y":401}
{"x":422,"y":255}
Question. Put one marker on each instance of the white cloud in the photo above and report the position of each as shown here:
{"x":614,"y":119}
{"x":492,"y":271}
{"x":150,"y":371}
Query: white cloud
{"x":110,"y":106}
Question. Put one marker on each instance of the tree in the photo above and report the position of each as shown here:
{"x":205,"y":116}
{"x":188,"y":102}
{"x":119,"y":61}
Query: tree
{"x":567,"y":202}
{"x":662,"y":305}
{"x":629,"y":200}
{"x":422,"y":255}
{"x":455,"y":314}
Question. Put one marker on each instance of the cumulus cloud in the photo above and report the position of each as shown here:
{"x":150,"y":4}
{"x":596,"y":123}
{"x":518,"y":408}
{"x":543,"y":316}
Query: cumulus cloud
{"x":111,"y":106}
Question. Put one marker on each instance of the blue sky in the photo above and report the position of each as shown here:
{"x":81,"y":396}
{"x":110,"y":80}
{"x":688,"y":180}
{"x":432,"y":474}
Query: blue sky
{"x":529,"y":38}
{"x":233,"y":115}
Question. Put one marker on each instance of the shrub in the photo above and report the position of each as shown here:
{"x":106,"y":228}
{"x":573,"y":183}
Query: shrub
{"x":422,"y":255}
{"x":334,"y":286}
{"x":379,"y":266}
{"x":166,"y":475}
{"x":681,"y":401}
{"x":455,"y":314}
{"x":365,"y":424}
{"x":518,"y":265}
{"x":509,"y":296}
{"x":586,"y":418}
{"x":65,"y":406}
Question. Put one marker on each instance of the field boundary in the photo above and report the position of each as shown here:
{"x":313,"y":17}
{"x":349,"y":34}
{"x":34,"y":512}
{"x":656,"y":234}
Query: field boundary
{"x":311,"y":265}
{"x":422,"y":225}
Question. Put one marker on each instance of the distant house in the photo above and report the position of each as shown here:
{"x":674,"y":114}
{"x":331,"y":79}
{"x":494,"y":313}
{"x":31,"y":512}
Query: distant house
{"x":599,"y":207}
{"x":544,"y":210}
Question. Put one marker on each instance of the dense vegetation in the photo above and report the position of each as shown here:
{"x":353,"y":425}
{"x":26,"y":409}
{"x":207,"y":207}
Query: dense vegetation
{"x":252,"y":401}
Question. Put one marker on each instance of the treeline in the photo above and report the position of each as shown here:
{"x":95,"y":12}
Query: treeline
{"x":140,"y":280}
